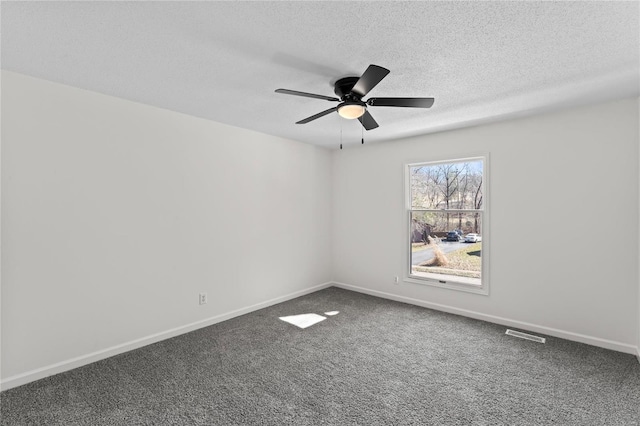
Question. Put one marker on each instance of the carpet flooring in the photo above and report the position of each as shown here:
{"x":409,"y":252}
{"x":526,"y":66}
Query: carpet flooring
{"x":377,"y":362}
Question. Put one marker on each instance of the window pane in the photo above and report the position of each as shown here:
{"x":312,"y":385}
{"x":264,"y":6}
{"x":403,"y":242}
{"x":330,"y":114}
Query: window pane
{"x":456,"y":185}
{"x":447,"y":245}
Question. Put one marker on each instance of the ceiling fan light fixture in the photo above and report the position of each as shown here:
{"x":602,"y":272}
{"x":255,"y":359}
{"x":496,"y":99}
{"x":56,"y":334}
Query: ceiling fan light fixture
{"x":351,"y":90}
{"x":351,"y":111}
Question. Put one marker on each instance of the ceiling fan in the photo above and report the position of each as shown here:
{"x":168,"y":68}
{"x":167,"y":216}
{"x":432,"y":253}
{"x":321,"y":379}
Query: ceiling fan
{"x":350,"y":91}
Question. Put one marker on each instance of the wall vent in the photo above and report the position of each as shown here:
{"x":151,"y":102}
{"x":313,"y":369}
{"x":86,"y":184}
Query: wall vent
{"x":525,"y":336}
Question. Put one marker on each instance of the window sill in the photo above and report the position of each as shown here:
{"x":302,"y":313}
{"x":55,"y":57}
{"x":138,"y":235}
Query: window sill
{"x":469,"y":285}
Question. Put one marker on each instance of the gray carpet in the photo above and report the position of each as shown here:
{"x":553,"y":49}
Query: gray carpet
{"x":377,"y":362}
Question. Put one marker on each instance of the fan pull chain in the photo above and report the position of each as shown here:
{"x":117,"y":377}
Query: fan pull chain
{"x":340,"y":134}
{"x":362,"y":135}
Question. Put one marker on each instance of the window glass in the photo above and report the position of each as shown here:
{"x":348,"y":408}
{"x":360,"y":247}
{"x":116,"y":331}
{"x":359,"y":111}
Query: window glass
{"x":446,"y":217}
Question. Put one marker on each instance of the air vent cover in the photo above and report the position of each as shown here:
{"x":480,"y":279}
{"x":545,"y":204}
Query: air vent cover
{"x":525,"y":336}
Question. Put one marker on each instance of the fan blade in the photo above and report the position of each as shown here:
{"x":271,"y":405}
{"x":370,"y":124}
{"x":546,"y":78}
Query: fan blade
{"x":367,"y":121}
{"x":371,"y":77}
{"x":401,"y":102}
{"x":305,"y":94}
{"x":318,"y":115}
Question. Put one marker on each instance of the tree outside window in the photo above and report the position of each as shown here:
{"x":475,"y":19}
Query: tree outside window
{"x":446,"y":215}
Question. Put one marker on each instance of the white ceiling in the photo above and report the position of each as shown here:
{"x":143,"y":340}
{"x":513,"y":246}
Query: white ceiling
{"x":481,"y":61}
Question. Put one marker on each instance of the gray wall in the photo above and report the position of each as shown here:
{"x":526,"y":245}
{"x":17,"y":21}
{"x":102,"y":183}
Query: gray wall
{"x":563,"y":187}
{"x":116,"y":215}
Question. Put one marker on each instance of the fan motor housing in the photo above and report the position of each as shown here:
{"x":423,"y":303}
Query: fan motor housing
{"x":343,"y":86}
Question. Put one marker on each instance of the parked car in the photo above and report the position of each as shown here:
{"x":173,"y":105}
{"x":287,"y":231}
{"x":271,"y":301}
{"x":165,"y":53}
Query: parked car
{"x":472,"y":238}
{"x":453,"y":236}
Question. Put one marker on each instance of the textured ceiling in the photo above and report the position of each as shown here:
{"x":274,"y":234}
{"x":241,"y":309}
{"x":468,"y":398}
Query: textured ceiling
{"x":481,"y":61}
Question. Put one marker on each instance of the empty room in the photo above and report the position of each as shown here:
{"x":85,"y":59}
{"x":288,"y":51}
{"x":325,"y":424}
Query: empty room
{"x":320,"y":213}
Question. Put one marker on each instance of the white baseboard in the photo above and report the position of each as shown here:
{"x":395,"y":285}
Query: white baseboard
{"x":576,"y":337}
{"x":70,"y":364}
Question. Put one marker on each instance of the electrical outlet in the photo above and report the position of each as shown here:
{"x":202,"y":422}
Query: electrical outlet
{"x":203,"y":298}
{"x":397,"y":280}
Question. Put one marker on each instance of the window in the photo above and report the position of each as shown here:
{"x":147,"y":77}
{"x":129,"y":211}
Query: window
{"x":448,"y":224}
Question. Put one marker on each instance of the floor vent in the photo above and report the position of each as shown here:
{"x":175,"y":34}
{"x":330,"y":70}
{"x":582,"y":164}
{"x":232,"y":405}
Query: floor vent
{"x":525,"y":336}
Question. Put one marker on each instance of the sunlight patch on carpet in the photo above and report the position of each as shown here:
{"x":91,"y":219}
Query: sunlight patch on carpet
{"x":332,"y":313}
{"x":303,"y":320}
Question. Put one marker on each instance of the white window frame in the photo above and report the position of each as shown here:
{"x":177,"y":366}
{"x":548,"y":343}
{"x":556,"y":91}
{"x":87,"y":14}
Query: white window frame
{"x":437,"y":280}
